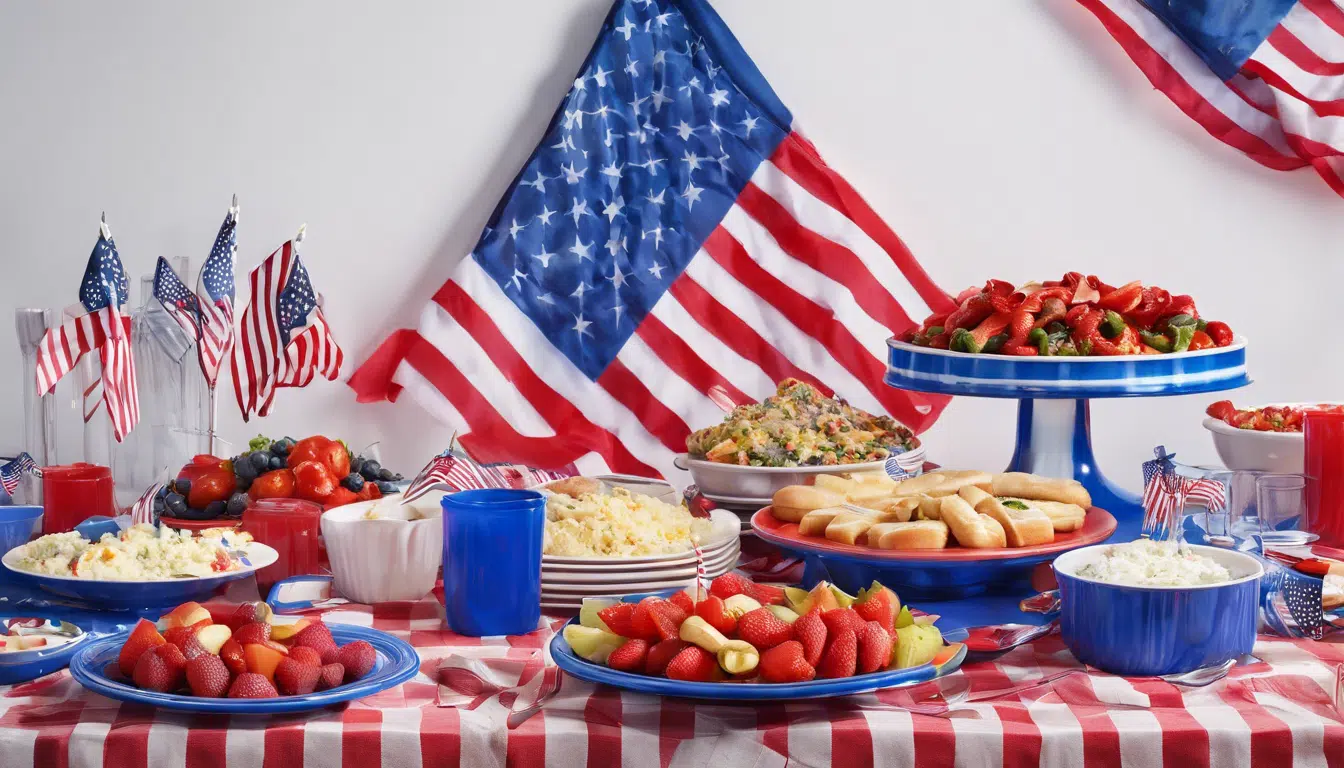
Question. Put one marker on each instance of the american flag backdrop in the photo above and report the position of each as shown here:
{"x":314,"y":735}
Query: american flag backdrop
{"x":672,"y":233}
{"x":206,"y":315}
{"x":283,"y":337}
{"x":103,"y":328}
{"x":1264,"y":76}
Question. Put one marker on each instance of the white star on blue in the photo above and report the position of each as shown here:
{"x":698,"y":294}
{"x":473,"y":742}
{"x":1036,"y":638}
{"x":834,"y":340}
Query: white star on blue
{"x":104,"y":279}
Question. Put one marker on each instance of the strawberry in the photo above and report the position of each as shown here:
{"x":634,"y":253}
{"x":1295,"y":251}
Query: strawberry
{"x":252,"y":633}
{"x":811,"y":631}
{"x":874,"y":648}
{"x":877,"y":603}
{"x":617,"y":618}
{"x":330,"y":676}
{"x":331,"y":655}
{"x":842,"y":618}
{"x":231,"y":653}
{"x":251,"y":685}
{"x":358,"y":659}
{"x":340,"y":497}
{"x":630,"y":657}
{"x":785,"y":664}
{"x":155,"y":673}
{"x":249,"y":613}
{"x":143,"y":637}
{"x":712,"y":610}
{"x":312,"y":481}
{"x":841,"y":656}
{"x":729,"y":584}
{"x":276,"y":484}
{"x":173,"y":656}
{"x":693,"y":664}
{"x":315,"y":636}
{"x":763,"y":629}
{"x":766,"y":594}
{"x":305,"y":655}
{"x":208,"y":677}
{"x":295,"y":678}
{"x":683,"y":601}
{"x":312,"y":448}
{"x":656,"y":619}
{"x":662,"y":653}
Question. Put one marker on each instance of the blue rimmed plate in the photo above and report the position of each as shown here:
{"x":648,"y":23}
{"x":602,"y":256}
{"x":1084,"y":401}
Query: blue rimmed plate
{"x":21,"y":666}
{"x":397,"y":663}
{"x":815,"y":689}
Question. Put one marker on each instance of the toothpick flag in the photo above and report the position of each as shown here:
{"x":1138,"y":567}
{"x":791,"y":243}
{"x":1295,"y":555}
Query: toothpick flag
{"x":206,"y":315}
{"x":103,"y":292}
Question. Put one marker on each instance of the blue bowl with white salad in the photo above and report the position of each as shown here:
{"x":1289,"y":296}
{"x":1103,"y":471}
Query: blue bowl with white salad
{"x":1149,"y":608}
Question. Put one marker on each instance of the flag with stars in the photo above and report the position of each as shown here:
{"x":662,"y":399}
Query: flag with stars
{"x":102,"y":293}
{"x":283,"y":337}
{"x":206,"y":315}
{"x":672,"y":234}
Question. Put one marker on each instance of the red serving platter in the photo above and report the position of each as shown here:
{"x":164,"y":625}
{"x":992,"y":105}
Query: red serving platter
{"x":1098,"y":525}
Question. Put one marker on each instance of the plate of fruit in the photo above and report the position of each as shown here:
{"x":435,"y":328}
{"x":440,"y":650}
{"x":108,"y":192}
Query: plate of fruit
{"x":242,"y":660}
{"x":316,"y":469}
{"x":749,"y":641}
{"x":31,"y":647}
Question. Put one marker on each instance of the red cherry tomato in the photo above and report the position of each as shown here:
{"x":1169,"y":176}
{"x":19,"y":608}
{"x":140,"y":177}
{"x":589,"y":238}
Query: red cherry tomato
{"x":276,"y":484}
{"x":308,"y":449}
{"x":340,"y":497}
{"x":336,"y":458}
{"x":215,"y":485}
{"x":313,"y":481}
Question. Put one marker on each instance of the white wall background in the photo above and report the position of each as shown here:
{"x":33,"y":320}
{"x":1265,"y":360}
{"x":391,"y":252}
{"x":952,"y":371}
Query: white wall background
{"x":1006,"y":139}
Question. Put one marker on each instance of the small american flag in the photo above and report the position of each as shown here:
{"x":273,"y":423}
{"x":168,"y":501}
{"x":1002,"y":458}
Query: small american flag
{"x":453,"y":473}
{"x":103,"y":291}
{"x":142,"y":511}
{"x":12,"y":472}
{"x":283,"y":337}
{"x":206,"y":315}
{"x":672,"y":233}
{"x":1165,"y":493}
{"x":1260,"y":75}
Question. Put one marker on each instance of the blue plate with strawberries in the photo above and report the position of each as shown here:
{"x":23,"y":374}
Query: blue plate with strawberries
{"x":396,"y":663}
{"x":945,"y":663}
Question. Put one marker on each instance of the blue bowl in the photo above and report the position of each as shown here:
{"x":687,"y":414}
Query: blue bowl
{"x":16,"y":526}
{"x":1148,"y":631}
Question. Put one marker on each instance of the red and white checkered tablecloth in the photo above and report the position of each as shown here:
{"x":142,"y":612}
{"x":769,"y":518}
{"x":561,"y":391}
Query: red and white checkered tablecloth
{"x":1278,"y":713}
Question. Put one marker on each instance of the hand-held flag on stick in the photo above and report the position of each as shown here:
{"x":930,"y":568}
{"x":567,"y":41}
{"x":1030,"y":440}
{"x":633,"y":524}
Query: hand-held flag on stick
{"x":103,"y":327}
{"x":13,"y":471}
{"x":206,"y":315}
{"x":453,"y":473}
{"x":1264,"y":76}
{"x":283,"y":337}
{"x":671,"y":234}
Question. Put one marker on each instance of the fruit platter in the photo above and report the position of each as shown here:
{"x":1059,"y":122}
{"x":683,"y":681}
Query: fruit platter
{"x":33,"y":646}
{"x":243,"y":660}
{"x":743,"y":640}
{"x":1262,"y":439}
{"x":316,"y":469}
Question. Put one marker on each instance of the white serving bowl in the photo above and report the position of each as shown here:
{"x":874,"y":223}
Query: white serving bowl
{"x":388,"y":558}
{"x":1249,"y":449}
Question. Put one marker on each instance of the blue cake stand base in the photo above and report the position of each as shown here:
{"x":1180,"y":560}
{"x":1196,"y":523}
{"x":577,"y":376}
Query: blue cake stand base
{"x":1054,"y":430}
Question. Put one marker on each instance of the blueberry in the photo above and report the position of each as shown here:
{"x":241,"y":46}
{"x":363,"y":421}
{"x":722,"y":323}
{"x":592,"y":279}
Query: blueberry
{"x":243,"y":483}
{"x":397,"y":477}
{"x":215,"y":509}
{"x":175,"y":504}
{"x":281,"y":448}
{"x":386,"y":474}
{"x":163,"y":491}
{"x":370,"y":469}
{"x":353,"y":482}
{"x":387,"y":488}
{"x":261,"y":460}
{"x":246,"y":470}
{"x":237,"y":504}
{"x":355,"y":464}
{"x":197,"y":514}
{"x":277,"y":463}
{"x":158,"y":506}
{"x":182,"y":486}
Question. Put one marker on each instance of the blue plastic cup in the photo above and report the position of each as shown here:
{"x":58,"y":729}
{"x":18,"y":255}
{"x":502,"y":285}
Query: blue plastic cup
{"x":16,"y":527}
{"x":492,"y":561}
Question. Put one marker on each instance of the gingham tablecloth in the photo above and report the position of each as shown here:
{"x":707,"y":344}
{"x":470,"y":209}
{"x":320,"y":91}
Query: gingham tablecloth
{"x":1277,"y":713}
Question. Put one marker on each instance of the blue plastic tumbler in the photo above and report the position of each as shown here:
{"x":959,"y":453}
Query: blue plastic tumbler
{"x":492,"y":561}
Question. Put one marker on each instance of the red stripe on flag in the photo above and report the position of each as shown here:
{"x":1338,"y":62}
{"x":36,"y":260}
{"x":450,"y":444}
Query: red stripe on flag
{"x":1333,"y":108}
{"x":682,"y":359}
{"x":1327,"y":11}
{"x":820,"y":323}
{"x":570,"y":425}
{"x":1302,"y":55}
{"x":802,"y":164}
{"x":627,"y":389}
{"x":825,"y":256}
{"x":737,"y":335}
{"x":1165,"y":78}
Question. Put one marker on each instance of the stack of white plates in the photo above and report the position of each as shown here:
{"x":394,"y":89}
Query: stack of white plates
{"x":566,"y":581}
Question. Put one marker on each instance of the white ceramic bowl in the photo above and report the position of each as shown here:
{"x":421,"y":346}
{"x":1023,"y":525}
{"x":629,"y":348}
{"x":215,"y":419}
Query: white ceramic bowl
{"x":713,"y":478}
{"x":388,"y":558}
{"x":1249,"y":449}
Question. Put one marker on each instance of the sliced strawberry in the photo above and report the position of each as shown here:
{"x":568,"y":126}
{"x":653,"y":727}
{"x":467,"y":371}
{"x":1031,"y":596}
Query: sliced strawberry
{"x":618,"y":618}
{"x":841,"y":656}
{"x":694,"y":664}
{"x":683,"y":601}
{"x":630,"y":657}
{"x":143,"y":637}
{"x":842,"y":618}
{"x":766,"y":594}
{"x":874,"y":648}
{"x":785,"y":663}
{"x":661,"y":654}
{"x":763,"y":629}
{"x":712,"y":610}
{"x":811,"y":631}
{"x":729,"y":584}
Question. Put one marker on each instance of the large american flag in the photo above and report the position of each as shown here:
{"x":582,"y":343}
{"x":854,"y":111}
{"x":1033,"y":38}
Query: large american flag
{"x":671,"y":233}
{"x":206,"y":315}
{"x":1265,"y":76}
{"x":103,"y":328}
{"x":283,"y":337}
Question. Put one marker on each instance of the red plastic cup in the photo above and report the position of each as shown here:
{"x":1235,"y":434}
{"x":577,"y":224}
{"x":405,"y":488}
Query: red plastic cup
{"x":1323,"y":433}
{"x":73,"y":493}
{"x":291,"y":527}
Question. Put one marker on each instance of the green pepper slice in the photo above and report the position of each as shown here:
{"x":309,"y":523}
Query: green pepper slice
{"x":1158,"y":341}
{"x":1039,"y":339}
{"x":1184,"y":335}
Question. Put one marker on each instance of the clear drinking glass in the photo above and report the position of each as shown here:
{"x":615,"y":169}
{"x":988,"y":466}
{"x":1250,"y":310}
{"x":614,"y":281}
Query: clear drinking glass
{"x":1280,"y":501}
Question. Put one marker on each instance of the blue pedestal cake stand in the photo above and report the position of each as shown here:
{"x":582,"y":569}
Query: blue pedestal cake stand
{"x":1054,"y":434}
